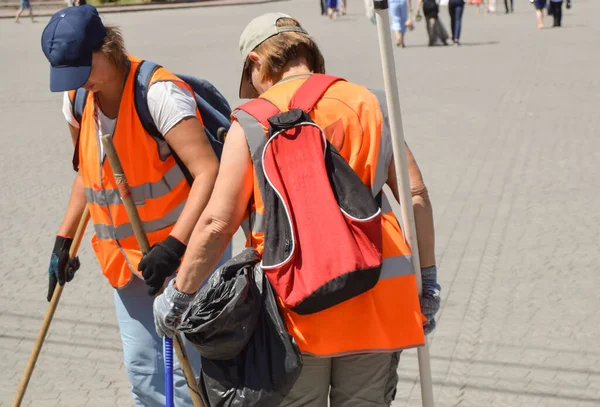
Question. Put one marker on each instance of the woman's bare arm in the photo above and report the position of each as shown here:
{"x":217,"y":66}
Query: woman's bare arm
{"x":222,"y":216}
{"x":77,"y":199}
{"x":421,"y":207}
{"x":189,"y":142}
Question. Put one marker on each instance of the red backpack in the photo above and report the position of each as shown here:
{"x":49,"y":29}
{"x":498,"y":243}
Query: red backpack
{"x":322,"y":225}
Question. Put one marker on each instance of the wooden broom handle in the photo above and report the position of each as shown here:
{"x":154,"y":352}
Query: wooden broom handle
{"x":39,"y":342}
{"x":140,"y":235}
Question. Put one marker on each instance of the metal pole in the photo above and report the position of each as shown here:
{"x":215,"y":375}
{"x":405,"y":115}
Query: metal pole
{"x":408,"y":217}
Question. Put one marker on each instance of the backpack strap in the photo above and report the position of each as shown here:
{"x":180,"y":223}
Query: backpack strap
{"x":261,"y":109}
{"x":311,"y":91}
{"x":78,"y":101}
{"x":143,"y":76}
{"x":252,"y":116}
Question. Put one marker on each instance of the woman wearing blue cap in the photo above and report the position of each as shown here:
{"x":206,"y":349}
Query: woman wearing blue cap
{"x":83,"y":53}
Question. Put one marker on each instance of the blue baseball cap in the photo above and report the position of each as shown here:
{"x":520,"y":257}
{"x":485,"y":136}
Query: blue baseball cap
{"x":68,"y":41}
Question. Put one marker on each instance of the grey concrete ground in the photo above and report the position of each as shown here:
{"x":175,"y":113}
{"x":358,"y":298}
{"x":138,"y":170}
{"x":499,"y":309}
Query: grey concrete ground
{"x":505,"y":128}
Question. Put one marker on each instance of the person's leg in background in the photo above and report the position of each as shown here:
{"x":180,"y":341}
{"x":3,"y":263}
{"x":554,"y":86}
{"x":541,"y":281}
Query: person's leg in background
{"x":431,"y":31}
{"x":540,"y":18}
{"x":399,"y":15}
{"x":24,"y":4}
{"x":430,"y":18}
{"x":332,"y":6}
{"x":343,"y":4}
{"x":394,"y":10}
{"x":452,"y":11}
{"x":31,"y":14}
{"x":367,"y":380}
{"x":539,"y":12}
{"x":19,"y":12}
{"x":459,"y":15}
{"x":557,"y":12}
{"x":456,"y":8}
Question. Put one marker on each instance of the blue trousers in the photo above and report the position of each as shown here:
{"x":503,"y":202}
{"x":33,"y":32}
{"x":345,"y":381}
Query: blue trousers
{"x":143,"y":351}
{"x":456,"y":9}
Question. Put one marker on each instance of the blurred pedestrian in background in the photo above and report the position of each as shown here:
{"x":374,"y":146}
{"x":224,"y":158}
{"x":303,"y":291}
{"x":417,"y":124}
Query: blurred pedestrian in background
{"x":399,"y":19}
{"x":332,"y":9}
{"x":456,"y":9}
{"x":540,"y":5}
{"x":556,"y":9}
{"x":477,"y":3}
{"x":23,"y":5}
{"x":435,"y":28}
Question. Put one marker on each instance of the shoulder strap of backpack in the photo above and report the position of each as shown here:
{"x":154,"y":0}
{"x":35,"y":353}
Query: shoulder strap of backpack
{"x":311,"y":91}
{"x":252,"y":116}
{"x":143,"y":75}
{"x":261,"y":109}
{"x":305,"y":98}
{"x":78,"y":103}
{"x":78,"y":99}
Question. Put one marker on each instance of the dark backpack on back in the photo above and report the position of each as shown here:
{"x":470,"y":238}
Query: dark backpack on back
{"x":212,"y":105}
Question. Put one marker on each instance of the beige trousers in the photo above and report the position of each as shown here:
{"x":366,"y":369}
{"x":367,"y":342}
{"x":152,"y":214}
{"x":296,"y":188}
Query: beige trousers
{"x":367,"y":380}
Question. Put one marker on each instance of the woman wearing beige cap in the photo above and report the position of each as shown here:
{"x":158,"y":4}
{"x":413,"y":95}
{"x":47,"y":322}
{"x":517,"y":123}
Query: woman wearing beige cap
{"x":350,"y":350}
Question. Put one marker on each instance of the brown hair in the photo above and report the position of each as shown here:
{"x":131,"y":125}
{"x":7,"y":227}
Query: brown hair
{"x":113,"y":46}
{"x":281,"y":49}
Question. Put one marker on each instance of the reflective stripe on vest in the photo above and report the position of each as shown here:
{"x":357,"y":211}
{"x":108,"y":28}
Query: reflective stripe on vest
{"x":139,"y":193}
{"x":254,"y":223}
{"x":256,"y":138}
{"x":109,"y":232}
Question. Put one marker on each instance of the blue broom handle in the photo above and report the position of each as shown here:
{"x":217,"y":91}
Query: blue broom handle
{"x":168,"y":355}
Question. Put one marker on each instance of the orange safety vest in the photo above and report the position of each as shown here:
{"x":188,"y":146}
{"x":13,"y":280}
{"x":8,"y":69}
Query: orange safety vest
{"x":158,"y":186}
{"x":388,"y":317}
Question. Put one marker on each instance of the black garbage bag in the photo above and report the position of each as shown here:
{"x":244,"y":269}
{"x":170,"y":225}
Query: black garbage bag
{"x":269,"y":362}
{"x":223,"y":315}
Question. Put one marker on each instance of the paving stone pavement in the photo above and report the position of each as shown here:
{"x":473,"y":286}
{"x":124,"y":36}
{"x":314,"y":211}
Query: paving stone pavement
{"x":507,"y":132}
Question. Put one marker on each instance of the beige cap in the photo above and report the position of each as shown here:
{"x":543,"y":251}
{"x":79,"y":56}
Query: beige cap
{"x":256,"y":32}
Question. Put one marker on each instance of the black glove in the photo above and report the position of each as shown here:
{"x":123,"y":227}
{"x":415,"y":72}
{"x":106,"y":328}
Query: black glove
{"x":162,"y":261}
{"x":58,"y":262}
